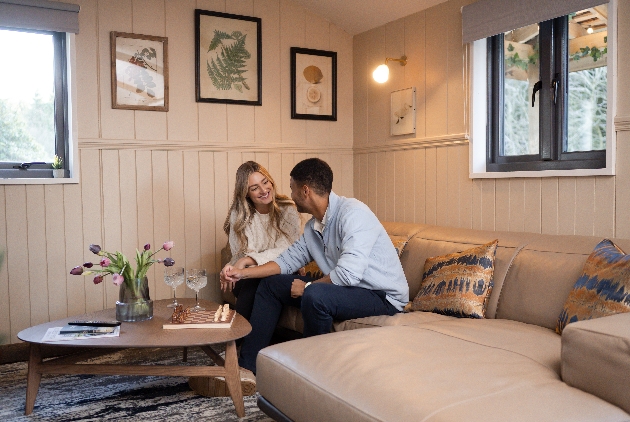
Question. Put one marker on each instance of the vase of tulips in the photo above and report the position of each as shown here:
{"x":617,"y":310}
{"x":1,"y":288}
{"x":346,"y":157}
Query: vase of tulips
{"x":134,"y":302}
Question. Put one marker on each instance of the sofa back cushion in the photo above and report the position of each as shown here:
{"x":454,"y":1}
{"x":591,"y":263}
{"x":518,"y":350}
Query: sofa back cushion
{"x":542,"y":276}
{"x":435,"y":241}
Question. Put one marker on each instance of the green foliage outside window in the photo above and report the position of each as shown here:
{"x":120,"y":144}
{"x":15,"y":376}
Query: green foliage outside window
{"x":17,"y":125}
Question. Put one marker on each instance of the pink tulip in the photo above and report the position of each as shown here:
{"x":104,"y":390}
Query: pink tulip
{"x":98,"y":279}
{"x":168,"y":245}
{"x":118,"y":279}
{"x":105,"y":262}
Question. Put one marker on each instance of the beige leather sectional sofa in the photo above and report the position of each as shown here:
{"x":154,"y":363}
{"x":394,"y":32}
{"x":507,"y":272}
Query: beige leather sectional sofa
{"x":421,"y":366}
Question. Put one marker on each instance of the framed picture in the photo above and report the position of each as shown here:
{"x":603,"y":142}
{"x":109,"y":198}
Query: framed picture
{"x":228,"y":58}
{"x":403,"y":111}
{"x":139,"y":71}
{"x":313,"y":84}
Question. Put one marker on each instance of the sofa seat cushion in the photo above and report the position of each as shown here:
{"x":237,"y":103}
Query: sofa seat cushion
{"x":411,"y":318}
{"x":404,"y":373}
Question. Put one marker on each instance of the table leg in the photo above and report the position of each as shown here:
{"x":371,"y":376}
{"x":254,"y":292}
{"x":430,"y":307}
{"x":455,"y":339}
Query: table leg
{"x":233,"y":378}
{"x":34,"y":377}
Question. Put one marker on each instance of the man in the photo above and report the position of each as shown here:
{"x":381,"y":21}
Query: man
{"x":364,"y":276}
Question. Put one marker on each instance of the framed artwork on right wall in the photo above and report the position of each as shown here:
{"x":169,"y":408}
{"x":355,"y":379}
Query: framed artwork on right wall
{"x":402,"y":114}
{"x":313,"y":84}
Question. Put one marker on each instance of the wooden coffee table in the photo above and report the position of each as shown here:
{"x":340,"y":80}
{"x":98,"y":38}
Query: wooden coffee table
{"x":144,"y":334}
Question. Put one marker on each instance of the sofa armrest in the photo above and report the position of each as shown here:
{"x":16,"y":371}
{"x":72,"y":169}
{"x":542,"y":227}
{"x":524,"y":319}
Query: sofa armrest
{"x":596,"y":358}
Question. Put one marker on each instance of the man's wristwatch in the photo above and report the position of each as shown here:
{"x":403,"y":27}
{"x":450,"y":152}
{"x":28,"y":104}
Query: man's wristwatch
{"x":307,"y":284}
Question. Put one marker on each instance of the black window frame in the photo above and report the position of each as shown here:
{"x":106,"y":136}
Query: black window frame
{"x":554,"y":64}
{"x":19,"y":170}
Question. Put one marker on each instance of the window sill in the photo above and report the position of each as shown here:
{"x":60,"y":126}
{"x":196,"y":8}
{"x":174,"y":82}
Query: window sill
{"x":40,"y":181}
{"x":544,"y":173}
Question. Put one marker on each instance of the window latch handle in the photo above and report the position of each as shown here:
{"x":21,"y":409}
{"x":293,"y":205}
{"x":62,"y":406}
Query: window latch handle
{"x":25,"y":166}
{"x":537,"y":87}
{"x":554,"y":88}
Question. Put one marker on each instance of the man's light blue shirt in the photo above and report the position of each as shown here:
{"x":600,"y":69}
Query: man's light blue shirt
{"x":353,"y":249}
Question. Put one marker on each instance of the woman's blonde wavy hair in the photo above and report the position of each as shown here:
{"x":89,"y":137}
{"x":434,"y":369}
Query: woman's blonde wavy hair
{"x":244,"y":208}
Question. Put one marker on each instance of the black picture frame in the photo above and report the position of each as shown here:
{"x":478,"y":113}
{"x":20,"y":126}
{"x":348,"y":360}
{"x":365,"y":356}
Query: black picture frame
{"x":313,"y":84}
{"x":226,"y":39}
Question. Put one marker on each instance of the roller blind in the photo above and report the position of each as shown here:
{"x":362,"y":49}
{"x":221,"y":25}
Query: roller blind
{"x":487,"y":18}
{"x":39,"y":14}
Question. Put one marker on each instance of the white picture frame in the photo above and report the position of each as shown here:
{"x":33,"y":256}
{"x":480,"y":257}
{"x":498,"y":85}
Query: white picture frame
{"x":403,"y":111}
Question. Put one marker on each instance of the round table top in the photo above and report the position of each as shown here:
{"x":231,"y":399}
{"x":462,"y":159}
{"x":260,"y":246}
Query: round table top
{"x":145,"y":333}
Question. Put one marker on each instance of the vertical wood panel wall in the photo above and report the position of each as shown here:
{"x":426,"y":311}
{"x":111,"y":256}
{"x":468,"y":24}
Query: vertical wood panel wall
{"x":423,"y":178}
{"x":154,"y":176}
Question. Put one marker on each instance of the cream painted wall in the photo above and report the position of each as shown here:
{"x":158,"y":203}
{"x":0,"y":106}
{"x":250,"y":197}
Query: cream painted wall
{"x":154,"y":176}
{"x":424,"y":178}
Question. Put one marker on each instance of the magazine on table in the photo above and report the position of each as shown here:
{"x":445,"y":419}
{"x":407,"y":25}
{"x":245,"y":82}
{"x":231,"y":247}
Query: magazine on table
{"x":79,"y":332}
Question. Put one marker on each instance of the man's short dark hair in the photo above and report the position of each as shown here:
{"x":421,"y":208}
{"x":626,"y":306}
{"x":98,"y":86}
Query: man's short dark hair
{"x":314,"y":173}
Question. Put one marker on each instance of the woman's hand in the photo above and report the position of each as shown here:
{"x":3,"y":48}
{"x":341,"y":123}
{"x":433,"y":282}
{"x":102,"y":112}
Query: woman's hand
{"x":227,"y":283}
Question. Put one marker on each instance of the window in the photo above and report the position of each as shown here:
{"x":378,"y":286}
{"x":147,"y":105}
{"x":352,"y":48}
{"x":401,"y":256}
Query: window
{"x":548,"y":94}
{"x":33,"y":106}
{"x":541,"y":87}
{"x":36,"y":45}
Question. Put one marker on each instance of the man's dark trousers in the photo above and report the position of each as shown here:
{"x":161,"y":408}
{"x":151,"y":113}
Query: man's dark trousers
{"x":320,"y":305}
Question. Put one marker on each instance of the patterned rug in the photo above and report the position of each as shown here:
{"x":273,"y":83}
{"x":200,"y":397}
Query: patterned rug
{"x":119,"y":398}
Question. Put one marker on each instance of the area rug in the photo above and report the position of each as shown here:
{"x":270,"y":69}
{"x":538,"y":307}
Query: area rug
{"x":119,"y":398}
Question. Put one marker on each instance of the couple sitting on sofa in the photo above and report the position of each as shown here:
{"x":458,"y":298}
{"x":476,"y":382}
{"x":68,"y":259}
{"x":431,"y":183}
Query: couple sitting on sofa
{"x":363,"y":278}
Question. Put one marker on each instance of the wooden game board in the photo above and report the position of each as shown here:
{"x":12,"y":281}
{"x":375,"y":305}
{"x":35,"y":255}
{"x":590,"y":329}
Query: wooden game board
{"x":202,"y":319}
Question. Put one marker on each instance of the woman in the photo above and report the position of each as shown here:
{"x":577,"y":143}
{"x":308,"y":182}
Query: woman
{"x":260,"y":225}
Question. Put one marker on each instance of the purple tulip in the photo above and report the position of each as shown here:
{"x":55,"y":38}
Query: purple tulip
{"x":169,"y":262}
{"x":168,"y":245}
{"x":78,"y":270}
{"x":95,"y":249}
{"x":88,"y":265}
{"x":118,"y":279}
{"x":105,"y":262}
{"x":147,"y":246}
{"x":98,"y":279}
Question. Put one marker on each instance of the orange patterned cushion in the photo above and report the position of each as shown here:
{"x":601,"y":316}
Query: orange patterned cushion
{"x":313,"y":271}
{"x":458,"y":284}
{"x":399,"y":243}
{"x":602,"y":289}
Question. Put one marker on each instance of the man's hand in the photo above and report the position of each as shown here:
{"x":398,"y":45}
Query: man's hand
{"x":297,"y":288}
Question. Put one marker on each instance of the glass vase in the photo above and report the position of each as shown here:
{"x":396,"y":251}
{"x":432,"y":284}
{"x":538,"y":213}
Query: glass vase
{"x":134,"y":303}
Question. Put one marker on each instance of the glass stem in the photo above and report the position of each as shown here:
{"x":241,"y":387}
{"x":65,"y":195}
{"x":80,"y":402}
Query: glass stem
{"x":197,"y":297}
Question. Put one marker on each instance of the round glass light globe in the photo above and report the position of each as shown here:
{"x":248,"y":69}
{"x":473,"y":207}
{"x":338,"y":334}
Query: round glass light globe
{"x":381,"y":73}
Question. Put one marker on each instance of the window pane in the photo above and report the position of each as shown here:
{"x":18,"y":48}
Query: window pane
{"x":588,"y":48}
{"x":521,"y":65}
{"x":27,"y":129}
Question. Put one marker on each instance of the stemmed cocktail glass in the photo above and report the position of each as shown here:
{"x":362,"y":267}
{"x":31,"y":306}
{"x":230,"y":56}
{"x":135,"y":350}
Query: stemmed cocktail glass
{"x":173,"y":276}
{"x":196,"y":280}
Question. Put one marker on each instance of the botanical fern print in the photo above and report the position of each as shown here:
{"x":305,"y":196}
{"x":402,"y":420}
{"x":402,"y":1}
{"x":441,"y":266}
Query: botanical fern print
{"x":227,"y":68}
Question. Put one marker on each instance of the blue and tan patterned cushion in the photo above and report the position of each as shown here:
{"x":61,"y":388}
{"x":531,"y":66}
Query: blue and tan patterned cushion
{"x":602,"y":289}
{"x":399,"y":243}
{"x":458,"y":284}
{"x":312,"y":270}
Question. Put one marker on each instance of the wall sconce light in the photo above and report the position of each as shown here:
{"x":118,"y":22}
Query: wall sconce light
{"x":381,"y":73}
{"x":589,"y":30}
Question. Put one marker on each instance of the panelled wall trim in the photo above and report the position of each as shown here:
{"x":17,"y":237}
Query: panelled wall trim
{"x":122,"y":144}
{"x":416,"y":143}
{"x":622,"y":123}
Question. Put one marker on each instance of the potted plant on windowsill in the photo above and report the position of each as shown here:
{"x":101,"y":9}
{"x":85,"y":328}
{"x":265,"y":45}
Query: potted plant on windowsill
{"x":57,"y":165}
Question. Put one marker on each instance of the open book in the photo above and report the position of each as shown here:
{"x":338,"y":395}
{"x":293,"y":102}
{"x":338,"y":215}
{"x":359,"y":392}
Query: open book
{"x":221,"y":318}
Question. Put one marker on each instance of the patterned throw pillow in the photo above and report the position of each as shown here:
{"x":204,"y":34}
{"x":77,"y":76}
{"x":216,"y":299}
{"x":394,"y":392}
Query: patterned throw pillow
{"x":399,"y":243}
{"x":458,"y":284}
{"x":602,"y":289}
{"x":313,"y":271}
